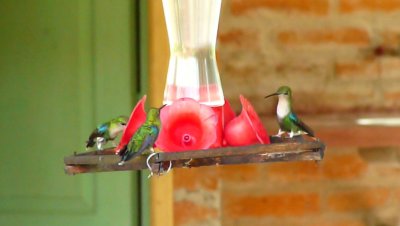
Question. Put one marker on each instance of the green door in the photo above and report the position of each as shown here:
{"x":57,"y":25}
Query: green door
{"x":65,"y":65}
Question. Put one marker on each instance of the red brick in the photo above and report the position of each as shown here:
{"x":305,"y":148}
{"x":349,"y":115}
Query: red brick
{"x":294,"y":171}
{"x":397,"y":195}
{"x":343,"y":166}
{"x":358,"y":69}
{"x":240,"y":38}
{"x":347,"y":6}
{"x":240,"y":173}
{"x":362,"y":199}
{"x":278,"y":205}
{"x":393,"y":96}
{"x":390,"y":67}
{"x":345,"y":36}
{"x":390,"y":39}
{"x":388,"y":172}
{"x":255,"y":221}
{"x":196,"y":178}
{"x":316,"y":7}
{"x":186,"y":212}
{"x":348,"y":136}
{"x":290,"y":221}
{"x":330,"y":222}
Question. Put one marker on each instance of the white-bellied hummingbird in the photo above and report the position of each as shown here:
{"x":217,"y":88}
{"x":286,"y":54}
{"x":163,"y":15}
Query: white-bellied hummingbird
{"x":288,"y":120}
{"x":106,"y":131}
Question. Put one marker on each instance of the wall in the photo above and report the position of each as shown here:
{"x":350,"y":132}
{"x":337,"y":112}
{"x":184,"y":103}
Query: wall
{"x":344,"y":51}
{"x":349,"y":187}
{"x":339,"y":56}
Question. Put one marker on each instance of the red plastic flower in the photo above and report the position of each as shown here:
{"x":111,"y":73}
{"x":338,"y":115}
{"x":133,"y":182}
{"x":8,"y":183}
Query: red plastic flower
{"x":137,"y":118}
{"x":187,"y":125}
{"x":246,"y":129}
{"x":225,"y":115}
{"x":229,"y":114}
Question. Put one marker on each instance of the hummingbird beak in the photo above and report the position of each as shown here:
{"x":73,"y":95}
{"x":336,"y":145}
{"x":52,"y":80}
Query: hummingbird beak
{"x":274,"y":94}
{"x":162,"y":107}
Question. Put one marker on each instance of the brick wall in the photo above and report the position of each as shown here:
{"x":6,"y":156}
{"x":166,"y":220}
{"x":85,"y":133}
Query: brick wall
{"x":321,"y":47}
{"x":339,"y":56}
{"x":349,"y":187}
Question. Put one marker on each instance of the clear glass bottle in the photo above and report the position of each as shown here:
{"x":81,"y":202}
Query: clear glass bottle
{"x":192,"y":30}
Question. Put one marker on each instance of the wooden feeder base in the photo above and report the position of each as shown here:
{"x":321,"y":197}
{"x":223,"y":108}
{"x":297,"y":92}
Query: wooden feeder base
{"x":280,"y":150}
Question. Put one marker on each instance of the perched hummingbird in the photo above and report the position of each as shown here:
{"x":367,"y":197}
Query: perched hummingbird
{"x":288,"y":120}
{"x":106,"y":131}
{"x":144,"y":138}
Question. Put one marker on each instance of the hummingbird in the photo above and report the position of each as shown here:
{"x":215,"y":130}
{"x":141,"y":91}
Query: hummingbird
{"x":106,"y":131}
{"x":288,"y":120}
{"x":144,"y":138}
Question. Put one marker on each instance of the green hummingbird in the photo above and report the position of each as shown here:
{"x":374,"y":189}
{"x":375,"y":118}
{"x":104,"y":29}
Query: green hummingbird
{"x":144,"y":138}
{"x":288,"y":120}
{"x":106,"y":131}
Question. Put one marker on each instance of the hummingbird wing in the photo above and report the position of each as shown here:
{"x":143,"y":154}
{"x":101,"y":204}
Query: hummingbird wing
{"x":98,"y":132}
{"x":293,"y":117}
{"x":147,"y":143}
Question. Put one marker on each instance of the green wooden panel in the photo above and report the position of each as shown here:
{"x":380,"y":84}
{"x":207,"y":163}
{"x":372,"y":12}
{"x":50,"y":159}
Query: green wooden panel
{"x":65,"y":65}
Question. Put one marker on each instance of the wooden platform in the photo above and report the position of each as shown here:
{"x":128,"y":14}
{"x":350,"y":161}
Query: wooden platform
{"x":279,"y":150}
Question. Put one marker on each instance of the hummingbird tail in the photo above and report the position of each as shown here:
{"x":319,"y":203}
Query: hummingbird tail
{"x":90,"y":143}
{"x":306,"y":129}
{"x":123,"y":150}
{"x":128,"y":155}
{"x":92,"y":138}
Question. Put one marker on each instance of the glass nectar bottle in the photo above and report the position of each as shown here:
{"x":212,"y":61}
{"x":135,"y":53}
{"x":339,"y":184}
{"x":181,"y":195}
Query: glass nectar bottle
{"x":192,"y":30}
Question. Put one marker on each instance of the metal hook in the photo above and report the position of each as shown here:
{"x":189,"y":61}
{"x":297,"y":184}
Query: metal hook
{"x":159,"y":171}
{"x":148,"y":164}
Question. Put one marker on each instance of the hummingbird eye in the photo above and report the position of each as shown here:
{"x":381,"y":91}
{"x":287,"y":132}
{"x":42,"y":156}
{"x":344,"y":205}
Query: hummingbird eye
{"x":124,"y":124}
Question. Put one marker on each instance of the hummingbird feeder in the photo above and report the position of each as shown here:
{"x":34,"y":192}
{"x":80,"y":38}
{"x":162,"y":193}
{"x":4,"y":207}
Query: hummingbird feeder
{"x":198,"y":126}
